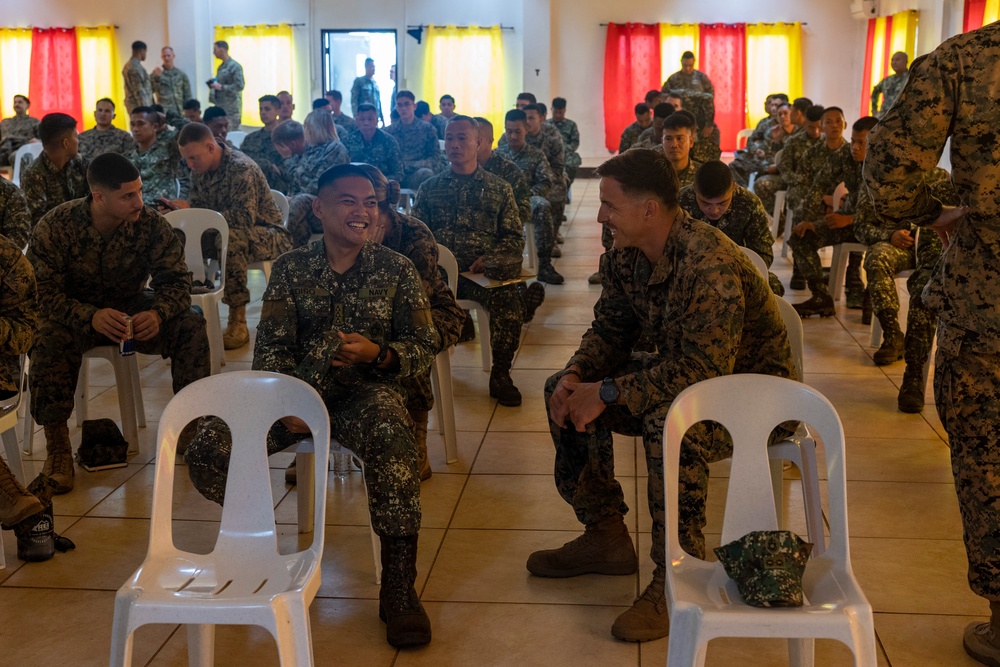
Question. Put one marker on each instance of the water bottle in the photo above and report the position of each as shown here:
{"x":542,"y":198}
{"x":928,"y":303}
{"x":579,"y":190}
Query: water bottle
{"x":341,"y":462}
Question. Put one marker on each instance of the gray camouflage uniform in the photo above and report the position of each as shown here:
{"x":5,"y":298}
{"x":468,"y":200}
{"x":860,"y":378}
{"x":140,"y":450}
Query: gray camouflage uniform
{"x":419,"y":150}
{"x":381,"y":152}
{"x":230,"y":98}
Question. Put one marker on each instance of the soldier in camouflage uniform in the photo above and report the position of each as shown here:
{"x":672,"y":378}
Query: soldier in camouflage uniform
{"x":702,"y":105}
{"x":547,"y":138}
{"x":474,"y":214}
{"x":795,"y":172}
{"x":418,"y":143}
{"x":336,"y":99}
{"x":570,"y":136}
{"x":105,"y":137}
{"x":92,"y":258}
{"x":158,"y":159}
{"x":15,"y":219}
{"x":138,"y":89}
{"x":494,"y":163}
{"x":364,"y":90}
{"x":59,"y":174}
{"x":349,"y":317}
{"x":767,"y":185}
{"x":535,"y":168}
{"x":171,"y":86}
{"x":17,"y":130}
{"x":891,"y":86}
{"x":688,"y":78}
{"x":229,"y":182}
{"x":227,"y":87}
{"x":691,"y":290}
{"x":764,"y":125}
{"x":440,"y":121}
{"x":678,"y":138}
{"x":732,"y":209}
{"x":258,"y":145}
{"x":952,"y":93}
{"x":652,"y":136}
{"x":759,"y":156}
{"x":370,"y":145}
{"x":630,"y":135}
{"x":818,"y":230}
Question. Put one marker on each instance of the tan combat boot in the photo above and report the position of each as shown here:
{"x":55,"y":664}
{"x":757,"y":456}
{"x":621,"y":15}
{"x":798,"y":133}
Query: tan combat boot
{"x":982,"y":640}
{"x":16,"y":504}
{"x":420,"y":435}
{"x":604,"y":548}
{"x":236,"y":335}
{"x":648,"y":619}
{"x":59,"y":462}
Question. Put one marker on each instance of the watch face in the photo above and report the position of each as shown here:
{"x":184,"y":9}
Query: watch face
{"x":608,"y":392}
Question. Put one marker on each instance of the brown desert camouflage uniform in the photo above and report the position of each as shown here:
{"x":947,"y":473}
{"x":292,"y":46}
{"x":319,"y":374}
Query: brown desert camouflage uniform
{"x":138,"y":89}
{"x":18,"y":312}
{"x":15,"y":219}
{"x":46,"y":187}
{"x":96,"y":142}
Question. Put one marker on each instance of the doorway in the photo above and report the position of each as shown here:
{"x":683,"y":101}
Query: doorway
{"x":344,"y":55}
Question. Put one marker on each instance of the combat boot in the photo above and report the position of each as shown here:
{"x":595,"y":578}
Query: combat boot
{"x":236,"y":335}
{"x":798,"y":282}
{"x":534,"y":296}
{"x":866,"y":309}
{"x":548,"y":274}
{"x":855,"y":297}
{"x":982,"y":640}
{"x":911,"y":393}
{"x":594,"y":278}
{"x":604,"y":548}
{"x":819,"y":304}
{"x":16,"y":504}
{"x":468,"y":329}
{"x":556,"y":252}
{"x":502,"y":388}
{"x":59,"y":462}
{"x":893,"y":340}
{"x":420,"y":435}
{"x":648,"y":619}
{"x":406,"y":622}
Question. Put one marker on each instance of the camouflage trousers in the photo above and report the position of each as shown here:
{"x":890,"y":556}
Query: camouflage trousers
{"x":370,"y":419}
{"x":765,"y":187}
{"x":743,"y":165}
{"x":541,"y":218}
{"x":256,"y":244}
{"x":58,"y":354}
{"x":805,"y":255}
{"x":967,"y":393}
{"x":414,"y":176}
{"x":506,"y":308}
{"x":585,"y":467}
{"x":573,"y":162}
{"x":302,"y":222}
{"x":706,"y":149}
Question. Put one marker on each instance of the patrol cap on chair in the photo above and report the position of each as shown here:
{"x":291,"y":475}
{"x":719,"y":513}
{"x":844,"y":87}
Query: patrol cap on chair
{"x":767,"y":566}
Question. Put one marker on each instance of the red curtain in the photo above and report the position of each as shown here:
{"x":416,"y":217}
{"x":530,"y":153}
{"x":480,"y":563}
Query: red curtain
{"x":866,"y":78}
{"x":723,"y":54}
{"x":631,"y":68}
{"x":55,"y":73}
{"x":973,"y":16}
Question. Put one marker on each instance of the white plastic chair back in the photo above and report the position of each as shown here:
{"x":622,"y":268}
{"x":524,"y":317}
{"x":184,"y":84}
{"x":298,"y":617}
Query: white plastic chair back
{"x":281,"y":201}
{"x":793,"y":324}
{"x":236,"y":137}
{"x":407,"y":198}
{"x":757,"y":260}
{"x":8,"y":433}
{"x":447,"y":261}
{"x":839,"y":194}
{"x":32,"y":150}
{"x":779,"y":207}
{"x":743,"y":138}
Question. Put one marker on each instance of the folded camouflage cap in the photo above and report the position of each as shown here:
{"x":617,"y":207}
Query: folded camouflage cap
{"x":102,"y":444}
{"x":767,"y":566}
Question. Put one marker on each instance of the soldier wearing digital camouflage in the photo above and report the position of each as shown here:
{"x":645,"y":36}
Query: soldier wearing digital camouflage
{"x":547,"y":138}
{"x":732,"y":209}
{"x":17,"y":130}
{"x":171,"y":86}
{"x":15,"y":218}
{"x":349,"y":317}
{"x":105,"y":137}
{"x":767,"y":185}
{"x":59,"y":174}
{"x":702,"y":106}
{"x":418,"y":142}
{"x":688,"y":78}
{"x":365,"y":90}
{"x":535,"y":168}
{"x":795,"y":171}
{"x":764,"y":125}
{"x":440,"y":120}
{"x":570,"y":135}
{"x":952,"y":93}
{"x":652,"y":136}
{"x":759,"y":156}
{"x":678,"y":138}
{"x":630,"y":135}
{"x":891,"y":86}
{"x":229,"y":182}
{"x":138,"y":89}
{"x":699,"y":299}
{"x":93,"y":258}
{"x":227,"y":87}
{"x":370,"y":145}
{"x":818,"y":230}
{"x":259,"y":147}
{"x":158,"y":159}
{"x":494,"y":163}
{"x":474,"y":214}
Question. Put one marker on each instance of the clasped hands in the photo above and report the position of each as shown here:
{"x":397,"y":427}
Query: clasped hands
{"x":575,"y":402}
{"x":111,"y":323}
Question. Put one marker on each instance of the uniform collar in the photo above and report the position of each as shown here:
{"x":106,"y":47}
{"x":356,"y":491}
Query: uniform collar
{"x":664,"y":267}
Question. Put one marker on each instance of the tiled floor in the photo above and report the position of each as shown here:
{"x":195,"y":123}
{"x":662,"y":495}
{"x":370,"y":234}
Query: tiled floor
{"x":485,"y":514}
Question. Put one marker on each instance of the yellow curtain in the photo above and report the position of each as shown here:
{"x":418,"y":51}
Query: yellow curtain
{"x":774,"y":64}
{"x":15,"y":66}
{"x":992,"y":12}
{"x":675,"y":39}
{"x":467,"y":63}
{"x":904,"y":35}
{"x":266,"y":54}
{"x":100,"y":73}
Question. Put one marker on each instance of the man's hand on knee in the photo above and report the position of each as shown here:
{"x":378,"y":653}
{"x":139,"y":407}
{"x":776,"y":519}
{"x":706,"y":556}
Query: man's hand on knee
{"x":803,"y":227}
{"x":145,"y":325}
{"x":584,"y":403}
{"x":901,"y":238}
{"x":111,"y":323}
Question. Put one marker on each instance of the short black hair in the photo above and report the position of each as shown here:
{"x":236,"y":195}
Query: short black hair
{"x":483,"y":122}
{"x":369,"y":60}
{"x":335,"y":94}
{"x":829,"y":109}
{"x":663,"y":110}
{"x":713,"y":179}
{"x":446,"y":97}
{"x":320,"y":102}
{"x":110,"y":171}
{"x":687,"y":55}
{"x":146,"y":111}
{"x":641,"y":108}
{"x":641,"y":171}
{"x":559,"y":103}
{"x":815,"y":113}
{"x":334,"y":174}
{"x":287,"y":132}
{"x":106,"y":99}
{"x":192,"y":104}
{"x":407,"y":94}
{"x":864,"y":124}
{"x":527,"y":96}
{"x":211,"y":113}
{"x":193,"y":132}
{"x":158,"y":108}
{"x":422,"y":108}
{"x":515,"y":116}
{"x":460,"y":118}
{"x":25,"y":98}
{"x":222,"y":44}
{"x":270,"y":99}
{"x":681,"y":119}
{"x":532,"y":107}
{"x":367,"y":106}
{"x":651,"y":96}
{"x":54,"y":127}
{"x":778,"y":96}
{"x":542,"y":109}
{"x":138,"y":45}
{"x":802,"y":104}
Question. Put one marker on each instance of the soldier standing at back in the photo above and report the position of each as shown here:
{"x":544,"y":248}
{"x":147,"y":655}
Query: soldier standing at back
{"x":171,"y":85}
{"x":17,"y":130}
{"x":105,"y":137}
{"x":688,"y":78}
{"x":227,"y":86}
{"x":891,"y":86}
{"x":138,"y":89}
{"x":59,"y":174}
{"x":952,"y":93}
{"x":364,"y":90}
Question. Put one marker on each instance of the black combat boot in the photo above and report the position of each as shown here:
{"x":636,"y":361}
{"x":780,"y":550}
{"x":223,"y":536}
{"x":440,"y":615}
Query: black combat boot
{"x":406,"y":622}
{"x":866,"y":309}
{"x":911,"y":393}
{"x":893,"y":340}
{"x":534,"y":295}
{"x":502,"y":388}
{"x":820,"y":304}
{"x":548,"y":274}
{"x":36,"y":537}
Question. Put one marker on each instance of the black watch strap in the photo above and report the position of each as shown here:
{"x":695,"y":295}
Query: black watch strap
{"x":383,"y":352}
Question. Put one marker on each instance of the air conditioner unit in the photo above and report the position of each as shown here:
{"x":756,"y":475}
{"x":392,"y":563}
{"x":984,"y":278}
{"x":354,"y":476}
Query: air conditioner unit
{"x":864,"y":9}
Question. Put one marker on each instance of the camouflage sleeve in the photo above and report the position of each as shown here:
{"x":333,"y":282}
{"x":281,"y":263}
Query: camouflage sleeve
{"x":413,"y":338}
{"x":758,"y":232}
{"x":876,"y":92}
{"x":356,"y":98}
{"x":15,"y":219}
{"x":909,"y":140}
{"x":185,"y":88}
{"x":789,"y":161}
{"x":558,"y":161}
{"x":542,"y":179}
{"x":133,"y":82}
{"x":238,"y":82}
{"x":867,"y":228}
{"x":522,"y":194}
{"x":574,"y":138}
{"x":394,"y":160}
{"x":510,"y":232}
{"x":447,"y":316}
{"x":33,"y":189}
{"x":170,"y":280}
{"x":48,"y":259}
{"x":18,"y":304}
{"x":154,"y":80}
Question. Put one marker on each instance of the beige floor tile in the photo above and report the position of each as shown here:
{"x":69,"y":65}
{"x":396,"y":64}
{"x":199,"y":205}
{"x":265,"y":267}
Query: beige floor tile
{"x":528,"y":453}
{"x":912,"y":640}
{"x":548,"y":357}
{"x":89,"y":488}
{"x":529,"y":416}
{"x":893,"y":460}
{"x":555,"y":334}
{"x":570,"y":314}
{"x":468,"y":443}
{"x":867,"y":407}
{"x":726,"y":652}
{"x":897,"y":509}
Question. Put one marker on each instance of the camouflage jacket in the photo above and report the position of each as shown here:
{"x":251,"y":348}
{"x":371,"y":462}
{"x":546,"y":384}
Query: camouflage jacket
{"x":237,"y":190}
{"x":138,"y":90}
{"x":630,"y":135}
{"x":15,"y":219}
{"x":45,"y":187}
{"x":951,"y":92}
{"x":382,"y":152}
{"x":647,"y":139}
{"x":440,"y":123}
{"x":824,"y":169}
{"x":789,"y":159}
{"x":365,"y":91}
{"x":701,"y":104}
{"x":889,"y":88}
{"x":258,"y":147}
{"x":745,"y":222}
{"x":163,"y":172}
{"x":173,"y":89}
{"x":96,"y":142}
{"x":869,"y":229}
{"x":533,"y":165}
{"x":18,"y":312}
{"x":550,"y":142}
{"x":508,"y":171}
{"x":78,"y":272}
{"x":473,"y":216}
{"x":569,"y":132}
{"x":230,"y":77}
{"x":302,"y":172}
{"x":17,"y":131}
{"x":418,"y":144}
{"x":306,"y":304}
{"x":696,"y":81}
{"x":343,"y":120}
{"x":686,"y":175}
{"x":703,"y":304}
{"x":763,"y":128}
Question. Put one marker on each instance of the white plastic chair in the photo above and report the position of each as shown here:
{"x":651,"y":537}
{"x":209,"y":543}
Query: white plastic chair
{"x":8,"y":433}
{"x":444,"y":403}
{"x":129,"y":391}
{"x":194,"y":222}
{"x":751,"y":180}
{"x":407,"y":198}
{"x":447,"y":261}
{"x":244,"y":580}
{"x":34,"y":150}
{"x":779,"y":207}
{"x":704,"y":602}
{"x":743,"y":137}
{"x":281,"y":201}
{"x":757,"y":260}
{"x":838,"y":266}
{"x":236,"y":137}
{"x":530,"y":249}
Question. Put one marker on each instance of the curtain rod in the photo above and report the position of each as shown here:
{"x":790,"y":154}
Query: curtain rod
{"x":78,"y":27}
{"x":261,"y":25}
{"x":460,"y":27}
{"x":605,"y":25}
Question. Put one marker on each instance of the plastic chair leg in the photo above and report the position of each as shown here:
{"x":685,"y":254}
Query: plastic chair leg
{"x":686,"y":648}
{"x":201,"y":645}
{"x":13,"y":454}
{"x":483,"y":318}
{"x":293,"y":635}
{"x":810,"y":496}
{"x":777,"y":486}
{"x":445,"y":400}
{"x":121,"y":634}
{"x":801,"y":652}
{"x":305,"y":471}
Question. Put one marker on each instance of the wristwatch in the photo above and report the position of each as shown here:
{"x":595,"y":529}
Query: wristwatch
{"x":383,"y":352}
{"x":609,"y":391}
